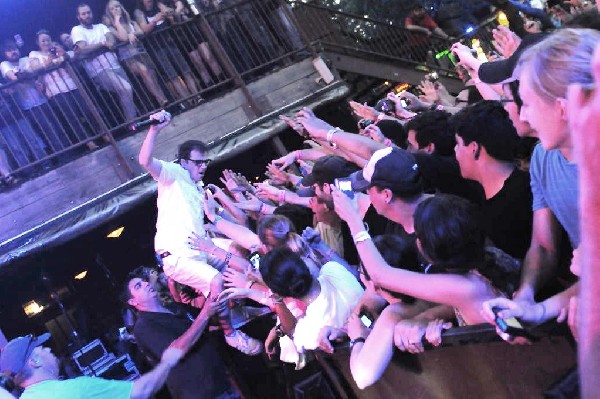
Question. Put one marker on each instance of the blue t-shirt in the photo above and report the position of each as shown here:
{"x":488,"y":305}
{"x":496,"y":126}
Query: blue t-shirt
{"x":79,"y":388}
{"x":554,"y":184}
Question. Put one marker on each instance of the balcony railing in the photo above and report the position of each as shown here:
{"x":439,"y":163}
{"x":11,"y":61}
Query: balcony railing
{"x":51,"y":114}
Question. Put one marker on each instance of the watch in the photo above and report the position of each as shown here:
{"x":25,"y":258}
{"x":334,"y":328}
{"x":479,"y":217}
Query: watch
{"x":356,"y":341}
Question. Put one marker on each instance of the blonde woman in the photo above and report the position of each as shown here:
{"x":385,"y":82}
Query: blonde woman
{"x":133,"y":54}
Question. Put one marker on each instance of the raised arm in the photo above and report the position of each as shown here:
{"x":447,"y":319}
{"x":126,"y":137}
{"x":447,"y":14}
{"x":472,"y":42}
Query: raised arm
{"x":145,"y":386}
{"x":449,"y":289}
{"x":145,"y":158}
{"x":364,"y":147}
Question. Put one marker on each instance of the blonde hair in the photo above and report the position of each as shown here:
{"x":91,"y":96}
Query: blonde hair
{"x":563,"y":58}
{"x":111,"y":20}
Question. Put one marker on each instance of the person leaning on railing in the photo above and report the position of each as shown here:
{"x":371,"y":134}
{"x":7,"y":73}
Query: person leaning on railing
{"x":152,"y":16}
{"x":132,"y":53}
{"x":61,"y":89}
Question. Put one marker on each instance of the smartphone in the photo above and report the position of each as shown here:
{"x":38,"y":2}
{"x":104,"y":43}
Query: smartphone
{"x":344,"y":184}
{"x":404,"y":102}
{"x":255,"y":260}
{"x":510,"y":326}
{"x":366,"y":320}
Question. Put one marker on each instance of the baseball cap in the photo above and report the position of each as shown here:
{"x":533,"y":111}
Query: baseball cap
{"x":328,"y":168}
{"x":392,"y":168}
{"x":502,"y":71}
{"x":17,"y":351}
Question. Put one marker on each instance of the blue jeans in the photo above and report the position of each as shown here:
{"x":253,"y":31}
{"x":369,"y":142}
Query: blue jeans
{"x":23,"y":144}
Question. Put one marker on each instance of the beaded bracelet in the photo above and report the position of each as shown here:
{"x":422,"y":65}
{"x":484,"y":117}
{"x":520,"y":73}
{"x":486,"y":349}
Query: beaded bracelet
{"x":228,"y":258}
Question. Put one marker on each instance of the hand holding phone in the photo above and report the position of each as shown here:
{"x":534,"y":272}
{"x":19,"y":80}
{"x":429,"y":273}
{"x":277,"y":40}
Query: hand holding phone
{"x":345,"y":185}
{"x":510,"y":326}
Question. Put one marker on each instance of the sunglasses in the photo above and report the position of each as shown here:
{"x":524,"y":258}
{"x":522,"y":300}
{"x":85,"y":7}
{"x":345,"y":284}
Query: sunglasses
{"x":199,"y":162}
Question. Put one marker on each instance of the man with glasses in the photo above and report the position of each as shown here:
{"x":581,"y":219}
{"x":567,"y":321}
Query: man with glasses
{"x":180,"y":205}
{"x":34,"y":367}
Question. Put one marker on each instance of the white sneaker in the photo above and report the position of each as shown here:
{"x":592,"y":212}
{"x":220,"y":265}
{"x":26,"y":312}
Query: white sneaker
{"x":244,"y":343}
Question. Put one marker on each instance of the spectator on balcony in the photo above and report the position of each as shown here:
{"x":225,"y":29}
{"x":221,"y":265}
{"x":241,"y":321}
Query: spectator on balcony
{"x":133,"y":53}
{"x":19,"y":141}
{"x":153,"y":17}
{"x":418,"y":20}
{"x":61,"y":89}
{"x":28,"y":95}
{"x":191,"y":40}
{"x":67,"y":42}
{"x":103,"y":69}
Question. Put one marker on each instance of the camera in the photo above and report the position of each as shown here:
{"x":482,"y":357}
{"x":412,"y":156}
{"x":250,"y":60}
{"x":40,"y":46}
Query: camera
{"x":386,"y":106}
{"x":363,"y":123}
{"x":53,"y":51}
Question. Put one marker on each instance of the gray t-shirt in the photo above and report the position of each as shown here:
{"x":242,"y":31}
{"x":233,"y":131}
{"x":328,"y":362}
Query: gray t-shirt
{"x":554,"y":184}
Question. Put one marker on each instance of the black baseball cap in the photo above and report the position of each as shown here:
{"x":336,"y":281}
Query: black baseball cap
{"x":328,"y":168}
{"x":392,"y":168}
{"x":502,"y":71}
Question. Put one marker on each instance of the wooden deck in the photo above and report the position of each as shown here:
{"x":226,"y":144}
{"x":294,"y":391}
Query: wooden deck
{"x":227,"y":124}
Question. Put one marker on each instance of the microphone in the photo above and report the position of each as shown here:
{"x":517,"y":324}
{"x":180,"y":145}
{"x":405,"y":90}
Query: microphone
{"x":148,"y":122}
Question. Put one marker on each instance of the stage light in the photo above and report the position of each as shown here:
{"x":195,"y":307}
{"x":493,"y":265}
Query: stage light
{"x":469,"y":29}
{"x":116,"y":233}
{"x":32,"y":308}
{"x":80,"y":276}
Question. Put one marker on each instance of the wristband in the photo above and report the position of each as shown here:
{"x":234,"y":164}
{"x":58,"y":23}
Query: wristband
{"x":261,"y":210}
{"x":356,"y":341}
{"x":330,"y":134}
{"x":250,"y":283}
{"x":217,"y":218}
{"x":279,"y":333}
{"x":281,"y":196}
{"x":361,"y":236}
{"x":298,"y":155}
{"x":228,"y":258}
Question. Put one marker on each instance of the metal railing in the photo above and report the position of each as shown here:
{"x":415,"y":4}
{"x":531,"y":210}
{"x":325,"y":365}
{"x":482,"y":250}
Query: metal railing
{"x":61,"y":104}
{"x":361,"y":36}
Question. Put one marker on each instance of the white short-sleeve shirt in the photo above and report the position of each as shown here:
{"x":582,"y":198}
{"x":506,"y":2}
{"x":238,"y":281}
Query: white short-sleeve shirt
{"x":95,"y":35}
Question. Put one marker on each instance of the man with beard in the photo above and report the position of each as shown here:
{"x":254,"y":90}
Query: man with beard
{"x":103,"y":69}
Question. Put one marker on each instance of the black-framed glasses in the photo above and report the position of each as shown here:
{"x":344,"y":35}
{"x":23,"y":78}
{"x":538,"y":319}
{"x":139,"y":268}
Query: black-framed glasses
{"x":199,"y":162}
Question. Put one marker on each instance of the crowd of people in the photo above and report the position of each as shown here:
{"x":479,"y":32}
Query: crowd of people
{"x":442,"y":211}
{"x":128,"y":64}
